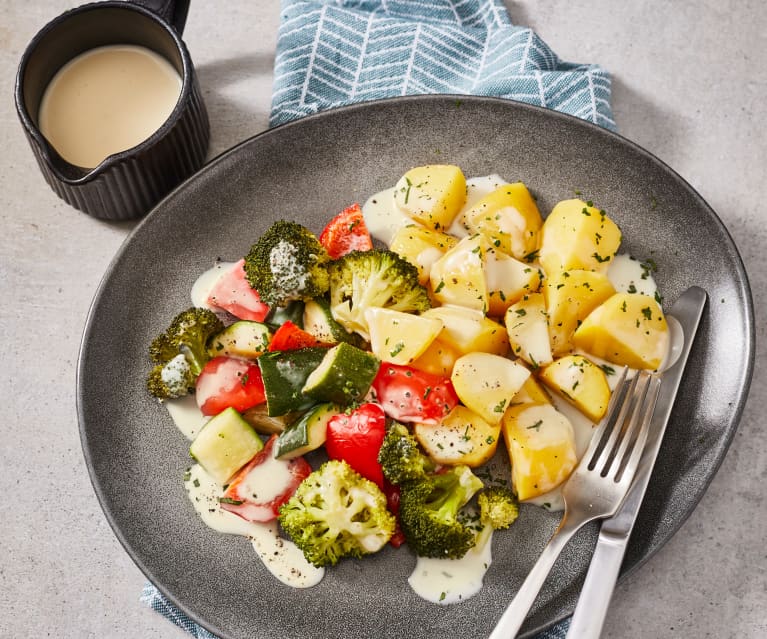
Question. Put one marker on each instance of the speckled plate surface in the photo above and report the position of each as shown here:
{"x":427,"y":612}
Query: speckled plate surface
{"x":307,"y":171}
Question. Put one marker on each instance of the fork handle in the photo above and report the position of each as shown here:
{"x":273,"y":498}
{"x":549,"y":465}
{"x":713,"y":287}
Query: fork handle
{"x":512,"y":619}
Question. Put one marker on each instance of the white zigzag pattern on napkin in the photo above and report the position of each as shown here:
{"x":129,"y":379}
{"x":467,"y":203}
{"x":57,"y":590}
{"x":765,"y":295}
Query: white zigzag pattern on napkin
{"x":331,"y":54}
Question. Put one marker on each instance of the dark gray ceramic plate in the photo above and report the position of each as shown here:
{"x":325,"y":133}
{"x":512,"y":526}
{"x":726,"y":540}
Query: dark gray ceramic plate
{"x":307,"y":171}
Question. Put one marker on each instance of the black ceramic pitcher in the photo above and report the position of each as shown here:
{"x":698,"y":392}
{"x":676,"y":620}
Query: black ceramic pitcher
{"x":126,"y":184}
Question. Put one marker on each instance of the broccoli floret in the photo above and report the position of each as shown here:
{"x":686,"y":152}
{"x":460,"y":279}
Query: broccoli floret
{"x":376,"y":278}
{"x":429,"y":513}
{"x":336,"y":513}
{"x":180,"y":353}
{"x":400,"y":456}
{"x":287,"y":263}
{"x":498,"y":507}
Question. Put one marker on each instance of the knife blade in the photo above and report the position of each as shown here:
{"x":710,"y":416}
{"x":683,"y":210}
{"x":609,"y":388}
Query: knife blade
{"x":589,"y":615}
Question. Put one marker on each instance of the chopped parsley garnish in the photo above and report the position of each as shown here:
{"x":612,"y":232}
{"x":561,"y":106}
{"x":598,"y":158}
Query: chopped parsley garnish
{"x":397,"y":349}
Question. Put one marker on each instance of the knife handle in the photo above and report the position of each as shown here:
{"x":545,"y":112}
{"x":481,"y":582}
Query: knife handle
{"x":589,"y":615}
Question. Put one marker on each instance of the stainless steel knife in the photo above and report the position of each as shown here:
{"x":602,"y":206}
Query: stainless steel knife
{"x":614,"y":534}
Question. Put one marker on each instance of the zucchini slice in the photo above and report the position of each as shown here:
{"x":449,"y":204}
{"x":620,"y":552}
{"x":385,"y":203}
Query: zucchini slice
{"x":307,"y":434}
{"x":225,"y":444}
{"x":344,"y":376}
{"x":318,"y":320}
{"x":284,"y":374}
{"x":242,"y":339}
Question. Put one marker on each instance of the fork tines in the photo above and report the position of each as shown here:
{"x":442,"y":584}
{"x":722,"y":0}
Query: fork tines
{"x":617,"y":445}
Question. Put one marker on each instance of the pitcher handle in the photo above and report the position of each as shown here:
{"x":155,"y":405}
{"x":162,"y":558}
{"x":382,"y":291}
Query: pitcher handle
{"x":174,"y":13}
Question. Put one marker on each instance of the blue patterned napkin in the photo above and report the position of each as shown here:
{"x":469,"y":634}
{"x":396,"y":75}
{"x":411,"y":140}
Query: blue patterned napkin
{"x":333,"y":53}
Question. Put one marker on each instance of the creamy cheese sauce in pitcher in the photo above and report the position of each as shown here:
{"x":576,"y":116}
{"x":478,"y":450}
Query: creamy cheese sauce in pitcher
{"x":107,"y":100}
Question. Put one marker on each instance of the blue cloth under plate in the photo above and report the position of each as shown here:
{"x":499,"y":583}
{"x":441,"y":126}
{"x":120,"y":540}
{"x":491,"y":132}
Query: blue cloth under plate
{"x":333,"y":53}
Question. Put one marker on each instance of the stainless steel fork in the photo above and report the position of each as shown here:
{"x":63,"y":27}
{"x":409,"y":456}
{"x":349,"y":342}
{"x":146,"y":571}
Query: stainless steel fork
{"x":597,"y":486}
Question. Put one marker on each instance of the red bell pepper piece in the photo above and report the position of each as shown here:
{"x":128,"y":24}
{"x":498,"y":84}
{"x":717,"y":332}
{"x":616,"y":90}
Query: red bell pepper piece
{"x":290,"y":337}
{"x":356,"y":438}
{"x":411,"y":395}
{"x":229,"y":381}
{"x":346,"y":232}
{"x":264,"y":484}
{"x":233,"y":293}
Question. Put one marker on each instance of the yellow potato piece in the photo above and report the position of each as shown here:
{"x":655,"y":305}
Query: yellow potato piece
{"x":580,"y":382}
{"x":486,"y":383}
{"x":468,"y":330}
{"x":509,"y":218}
{"x":578,"y":236}
{"x":458,"y":277}
{"x":508,"y":280}
{"x":541,"y":445}
{"x":432,"y":195}
{"x":439,"y":358}
{"x":629,"y":329}
{"x":398,"y":337}
{"x":527,"y":325}
{"x":531,"y":393}
{"x":462,"y":437}
{"x":570,"y":297}
{"x":421,"y":247}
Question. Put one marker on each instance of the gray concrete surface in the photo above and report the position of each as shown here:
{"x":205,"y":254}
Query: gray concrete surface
{"x":690,"y":86}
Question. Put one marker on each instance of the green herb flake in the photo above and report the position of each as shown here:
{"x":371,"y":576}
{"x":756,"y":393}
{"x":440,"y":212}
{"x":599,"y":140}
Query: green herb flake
{"x":531,"y":257}
{"x":407,"y":191}
{"x":536,"y":426}
{"x":397,"y":349}
{"x":600,"y":258}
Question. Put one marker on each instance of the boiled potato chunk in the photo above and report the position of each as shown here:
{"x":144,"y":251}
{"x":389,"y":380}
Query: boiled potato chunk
{"x":629,"y":329}
{"x":432,"y":195}
{"x":541,"y":445}
{"x":468,"y":330}
{"x":509,"y":218}
{"x":508,"y":280}
{"x":531,"y":393}
{"x":528,"y":327}
{"x":462,"y":437}
{"x":570,"y":297}
{"x":486,"y":383}
{"x":580,"y":382}
{"x":422,"y":247}
{"x":398,"y":337}
{"x":578,"y":236}
{"x":438,"y":359}
{"x":458,"y":277}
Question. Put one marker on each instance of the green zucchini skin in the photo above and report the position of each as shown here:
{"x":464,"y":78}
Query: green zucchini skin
{"x":293,"y":312}
{"x":344,"y":376}
{"x":306,"y":434}
{"x":284,"y":374}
